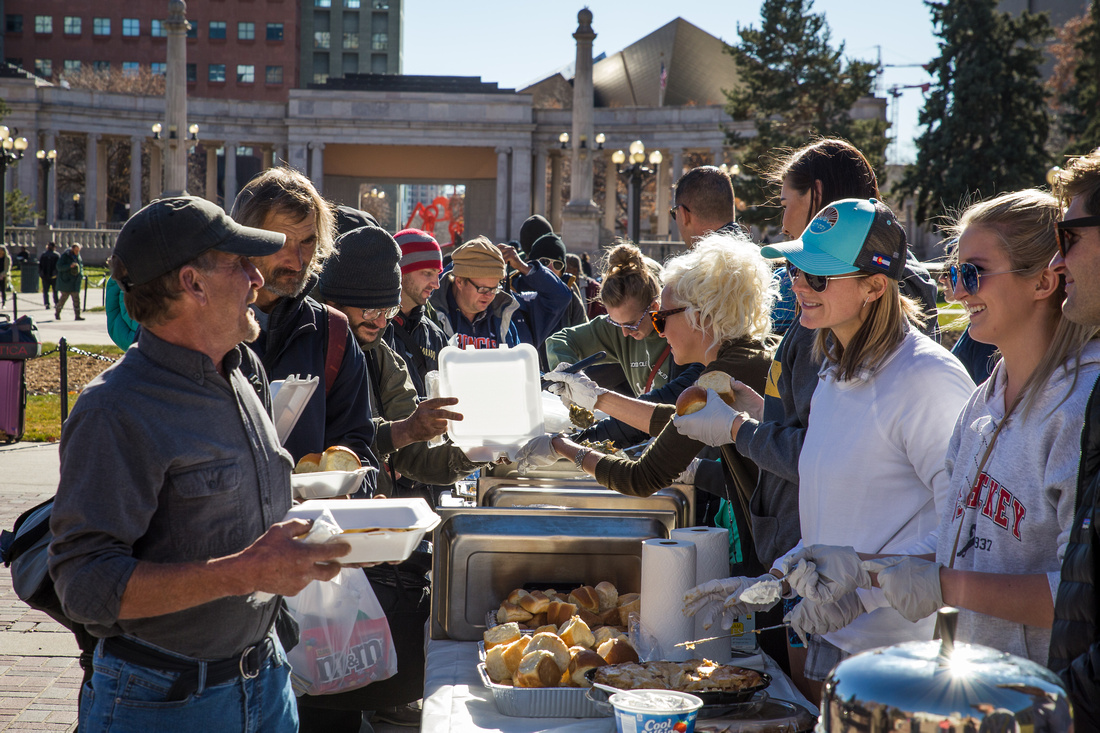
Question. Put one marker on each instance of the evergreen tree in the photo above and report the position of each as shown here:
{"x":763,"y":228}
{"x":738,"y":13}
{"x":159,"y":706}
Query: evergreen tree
{"x":794,"y":86}
{"x":1080,"y":102}
{"x":985,"y":120}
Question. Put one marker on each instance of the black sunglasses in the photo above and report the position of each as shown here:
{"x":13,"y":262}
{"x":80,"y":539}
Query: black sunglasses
{"x":1080,"y":223}
{"x":659,"y":318}
{"x":818,"y":283}
{"x":672,"y":211}
{"x":971,"y":276}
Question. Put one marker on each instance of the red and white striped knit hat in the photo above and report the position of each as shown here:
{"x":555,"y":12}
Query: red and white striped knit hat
{"x":419,"y":251}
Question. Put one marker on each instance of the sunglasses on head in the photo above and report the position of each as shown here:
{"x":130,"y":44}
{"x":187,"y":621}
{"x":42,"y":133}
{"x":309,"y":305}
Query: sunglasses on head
{"x":551,"y":262}
{"x":818,"y":283}
{"x":661,"y":317}
{"x":375,"y":313}
{"x":971,"y":276}
{"x":1080,"y":223}
{"x":630,"y":327}
{"x":672,"y":211}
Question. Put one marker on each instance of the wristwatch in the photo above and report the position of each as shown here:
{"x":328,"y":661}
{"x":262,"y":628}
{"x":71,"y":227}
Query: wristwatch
{"x":578,"y":459}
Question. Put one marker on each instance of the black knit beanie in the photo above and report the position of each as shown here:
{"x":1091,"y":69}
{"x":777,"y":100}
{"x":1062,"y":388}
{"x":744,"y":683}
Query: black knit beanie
{"x":348,"y":218}
{"x":365,"y":271}
{"x":548,"y":245}
{"x":531,"y":230}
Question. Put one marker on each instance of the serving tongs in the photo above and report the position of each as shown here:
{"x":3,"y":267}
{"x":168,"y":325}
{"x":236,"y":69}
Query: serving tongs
{"x":574,"y":368}
{"x":691,"y":644}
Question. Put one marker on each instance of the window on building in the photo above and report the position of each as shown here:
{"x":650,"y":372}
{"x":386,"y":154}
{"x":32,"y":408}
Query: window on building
{"x":380,"y":41}
{"x":320,"y":68}
{"x":322,"y":39}
{"x":130,"y":68}
{"x":101,"y":26}
{"x":381,"y":4}
{"x":217,"y":72}
{"x":43,"y":24}
{"x":43,"y":67}
{"x":351,"y":40}
{"x":101,"y":65}
{"x":246,"y":73}
{"x":246,"y":31}
{"x":350,"y":63}
{"x":322,"y":3}
{"x":378,"y":63}
{"x":273,"y":75}
{"x":13,"y":23}
{"x":351,"y":3}
{"x":193,"y":30}
{"x":192,"y":73}
{"x":159,"y":68}
{"x":131,"y":27}
{"x":157,"y":29}
{"x":71,"y":66}
{"x":72,"y":25}
{"x":274,"y":31}
{"x":217,"y":30}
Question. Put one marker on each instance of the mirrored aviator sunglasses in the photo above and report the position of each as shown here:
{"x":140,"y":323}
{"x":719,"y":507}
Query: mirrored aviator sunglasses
{"x":971,"y":277}
{"x":661,"y":317}
{"x":630,"y":326}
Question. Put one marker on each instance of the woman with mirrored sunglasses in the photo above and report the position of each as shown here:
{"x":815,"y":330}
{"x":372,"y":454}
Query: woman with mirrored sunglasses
{"x":1013,"y":457}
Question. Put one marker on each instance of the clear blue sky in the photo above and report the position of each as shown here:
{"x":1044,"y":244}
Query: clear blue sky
{"x":515,"y":42}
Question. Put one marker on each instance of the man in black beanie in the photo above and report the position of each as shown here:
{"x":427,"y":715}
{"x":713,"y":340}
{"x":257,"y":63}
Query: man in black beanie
{"x":529,"y":232}
{"x":549,"y":251}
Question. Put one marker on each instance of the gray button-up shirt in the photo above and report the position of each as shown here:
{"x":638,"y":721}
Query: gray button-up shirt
{"x":164,"y":460}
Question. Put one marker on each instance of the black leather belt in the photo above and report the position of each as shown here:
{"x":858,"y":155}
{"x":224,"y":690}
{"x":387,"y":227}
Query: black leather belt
{"x":247,"y":665}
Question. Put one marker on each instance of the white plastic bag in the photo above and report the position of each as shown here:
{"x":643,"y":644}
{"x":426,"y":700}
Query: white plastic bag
{"x":345,"y":638}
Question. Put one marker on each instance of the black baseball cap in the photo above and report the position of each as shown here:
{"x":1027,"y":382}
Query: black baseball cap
{"x":170,"y":232}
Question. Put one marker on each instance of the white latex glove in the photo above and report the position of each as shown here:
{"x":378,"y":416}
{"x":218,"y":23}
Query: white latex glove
{"x":809,"y":617}
{"x":687,"y":476}
{"x":824,"y":573}
{"x":711,"y":425}
{"x":538,"y":453}
{"x":747,"y":400}
{"x":573,"y":389}
{"x":722,"y":600}
{"x":911,"y":585}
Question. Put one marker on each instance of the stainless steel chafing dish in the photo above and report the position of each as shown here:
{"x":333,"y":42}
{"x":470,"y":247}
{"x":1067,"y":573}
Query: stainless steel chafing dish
{"x":933,"y":686}
{"x":481,"y":554}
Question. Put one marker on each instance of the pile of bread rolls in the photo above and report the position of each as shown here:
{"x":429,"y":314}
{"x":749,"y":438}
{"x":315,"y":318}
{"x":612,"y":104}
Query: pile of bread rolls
{"x":599,"y":605}
{"x":694,"y":398}
{"x":553,"y":657}
{"x":336,"y":458}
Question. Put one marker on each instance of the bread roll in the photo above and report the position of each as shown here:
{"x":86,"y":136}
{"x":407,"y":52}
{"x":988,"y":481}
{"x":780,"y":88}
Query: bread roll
{"x":604,"y":633}
{"x":495,"y":665}
{"x":559,"y":613}
{"x":548,"y":628}
{"x":339,"y":458}
{"x":585,"y":597}
{"x":617,"y":651}
{"x":610,"y":617}
{"x":310,"y":463}
{"x":553,"y":644}
{"x":537,"y":669}
{"x":608,"y":595}
{"x":625,"y":609}
{"x":577,"y":633}
{"x":516,"y":596}
{"x":534,"y":603}
{"x":511,"y":612}
{"x":588,"y":617}
{"x":580,"y":663}
{"x":721,"y":383}
{"x":503,"y":634}
{"x":539,"y":619}
{"x":691,"y":400}
{"x":513,"y":655}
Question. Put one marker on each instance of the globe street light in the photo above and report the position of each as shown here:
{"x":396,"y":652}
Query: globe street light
{"x":46,"y":161}
{"x":636,"y":173}
{"x":11,"y":151}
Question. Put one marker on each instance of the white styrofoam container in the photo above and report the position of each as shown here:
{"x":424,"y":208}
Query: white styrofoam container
{"x":327,"y":484}
{"x":540,"y":702}
{"x":499,"y":396}
{"x":396,"y":526}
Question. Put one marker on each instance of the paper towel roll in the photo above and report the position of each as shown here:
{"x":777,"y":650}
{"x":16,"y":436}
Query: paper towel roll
{"x":668,"y":572}
{"x":712,"y":561}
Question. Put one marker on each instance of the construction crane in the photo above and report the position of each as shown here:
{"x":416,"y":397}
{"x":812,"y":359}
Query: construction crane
{"x":895,"y":93}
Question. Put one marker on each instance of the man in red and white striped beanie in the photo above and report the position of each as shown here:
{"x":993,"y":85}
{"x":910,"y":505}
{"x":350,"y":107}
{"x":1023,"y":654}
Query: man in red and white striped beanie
{"x":416,"y":338}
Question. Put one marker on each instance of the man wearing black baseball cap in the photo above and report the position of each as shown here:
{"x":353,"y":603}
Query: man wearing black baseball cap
{"x":166,"y":520}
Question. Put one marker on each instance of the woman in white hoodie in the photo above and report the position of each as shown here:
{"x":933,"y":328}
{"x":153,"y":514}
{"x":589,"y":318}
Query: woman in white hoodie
{"x":1014,"y":453}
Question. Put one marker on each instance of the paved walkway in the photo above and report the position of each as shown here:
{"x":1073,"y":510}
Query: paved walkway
{"x":92,"y":330}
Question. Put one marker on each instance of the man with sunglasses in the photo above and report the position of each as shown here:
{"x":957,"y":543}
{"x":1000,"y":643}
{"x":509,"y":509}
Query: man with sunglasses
{"x":549,"y":251}
{"x":1075,"y":635}
{"x":472,"y":307}
{"x":704,"y":203}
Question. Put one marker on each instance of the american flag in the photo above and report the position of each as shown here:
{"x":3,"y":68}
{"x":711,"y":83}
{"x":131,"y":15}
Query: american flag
{"x":664,"y":75}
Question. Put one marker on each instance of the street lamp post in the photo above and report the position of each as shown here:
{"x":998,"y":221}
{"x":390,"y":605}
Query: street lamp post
{"x":11,"y":151}
{"x":636,"y":174}
{"x":46,"y":161}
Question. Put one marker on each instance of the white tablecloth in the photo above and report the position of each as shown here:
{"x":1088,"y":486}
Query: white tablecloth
{"x":456,"y":701}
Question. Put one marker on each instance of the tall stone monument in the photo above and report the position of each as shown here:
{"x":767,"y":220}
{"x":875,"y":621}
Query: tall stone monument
{"x":580,"y":227}
{"x":175,"y":100}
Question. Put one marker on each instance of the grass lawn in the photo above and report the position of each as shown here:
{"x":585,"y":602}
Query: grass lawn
{"x":43,"y":419}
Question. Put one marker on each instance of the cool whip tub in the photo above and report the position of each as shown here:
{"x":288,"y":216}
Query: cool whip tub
{"x":655,"y":711}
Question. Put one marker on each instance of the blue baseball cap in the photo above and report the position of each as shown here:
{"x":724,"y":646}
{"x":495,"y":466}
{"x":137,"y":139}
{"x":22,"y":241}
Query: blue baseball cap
{"x":847,"y":235}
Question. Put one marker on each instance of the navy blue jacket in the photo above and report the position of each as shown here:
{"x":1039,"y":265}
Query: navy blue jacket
{"x":417,"y":339}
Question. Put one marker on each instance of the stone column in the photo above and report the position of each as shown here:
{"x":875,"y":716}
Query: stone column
{"x":675,"y":172}
{"x":91,"y":179}
{"x":664,"y":188}
{"x":135,"y":173}
{"x":156,"y":171}
{"x":317,"y":166}
{"x":719,"y":154}
{"x":539,"y":181}
{"x":267,"y":156}
{"x":28,"y":171}
{"x":296,"y":156}
{"x":580,"y":226}
{"x":175,"y":99}
{"x":555,"y":190}
{"x":611,"y":191}
{"x":502,"y":194}
{"x":101,"y":176}
{"x":230,"y":187}
{"x":211,"y":172}
{"x":521,"y":188}
{"x":51,"y":181}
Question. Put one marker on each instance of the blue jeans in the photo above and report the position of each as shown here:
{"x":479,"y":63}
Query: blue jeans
{"x":127,"y":697}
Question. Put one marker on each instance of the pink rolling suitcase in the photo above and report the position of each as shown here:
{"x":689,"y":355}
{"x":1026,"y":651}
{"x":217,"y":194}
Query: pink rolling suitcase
{"x":13,"y":399}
